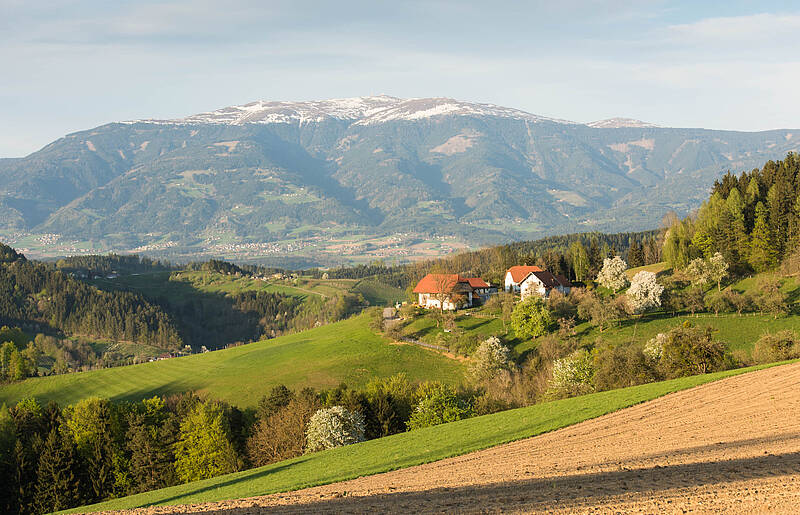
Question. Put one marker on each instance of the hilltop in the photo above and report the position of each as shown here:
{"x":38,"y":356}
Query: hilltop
{"x":324,"y":357}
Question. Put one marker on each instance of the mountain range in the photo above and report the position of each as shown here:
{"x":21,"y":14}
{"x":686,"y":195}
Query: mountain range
{"x":267,"y":174}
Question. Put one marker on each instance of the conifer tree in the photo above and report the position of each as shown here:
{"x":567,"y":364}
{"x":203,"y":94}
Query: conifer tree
{"x":760,"y":246}
{"x":57,"y":486}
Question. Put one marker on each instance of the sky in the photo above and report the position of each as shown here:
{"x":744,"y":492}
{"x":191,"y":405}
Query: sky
{"x":72,"y":65}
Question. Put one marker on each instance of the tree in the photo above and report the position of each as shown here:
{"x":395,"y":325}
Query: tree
{"x":149,"y":441}
{"x":531,"y":318}
{"x":204,"y":448}
{"x":334,"y":427}
{"x":635,"y":255}
{"x":89,"y":423}
{"x":282,"y":435}
{"x":761,"y":250}
{"x":717,"y":269}
{"x":438,"y":404}
{"x":490,"y":359}
{"x":689,"y":350}
{"x":580,"y":259}
{"x":770,"y":298}
{"x":612,"y":275}
{"x":644,"y":292}
{"x":572,"y":375}
{"x":9,"y":487}
{"x":57,"y":487}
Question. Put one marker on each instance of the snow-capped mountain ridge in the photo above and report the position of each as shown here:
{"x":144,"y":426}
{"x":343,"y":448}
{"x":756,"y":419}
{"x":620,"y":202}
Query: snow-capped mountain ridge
{"x":619,"y":123}
{"x":369,"y":110}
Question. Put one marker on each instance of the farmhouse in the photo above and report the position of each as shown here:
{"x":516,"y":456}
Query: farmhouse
{"x":450,"y":291}
{"x":532,"y":280}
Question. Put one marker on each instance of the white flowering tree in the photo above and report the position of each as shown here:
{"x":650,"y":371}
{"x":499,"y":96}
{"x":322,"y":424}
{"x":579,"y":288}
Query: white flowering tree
{"x":490,"y":359}
{"x":654,"y":348}
{"x":334,"y":427}
{"x":645,"y":292}
{"x":572,"y":375}
{"x":711,"y":270}
{"x":612,"y":275}
{"x":718,"y":269}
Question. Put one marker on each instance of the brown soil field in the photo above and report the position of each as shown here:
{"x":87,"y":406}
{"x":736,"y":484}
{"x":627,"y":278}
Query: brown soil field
{"x":732,"y":446}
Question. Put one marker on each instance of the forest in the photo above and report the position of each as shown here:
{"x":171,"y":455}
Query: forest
{"x":753,"y":220}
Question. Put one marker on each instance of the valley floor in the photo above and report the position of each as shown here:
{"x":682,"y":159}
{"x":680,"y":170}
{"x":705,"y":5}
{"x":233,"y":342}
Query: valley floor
{"x":728,"y":446}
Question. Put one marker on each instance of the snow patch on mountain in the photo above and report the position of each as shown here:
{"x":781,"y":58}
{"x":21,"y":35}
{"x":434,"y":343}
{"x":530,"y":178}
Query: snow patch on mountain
{"x":369,"y":110}
{"x":618,"y":123}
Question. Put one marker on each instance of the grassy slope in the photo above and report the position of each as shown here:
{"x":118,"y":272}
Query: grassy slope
{"x":412,"y":448}
{"x":323,"y":357}
{"x":159,"y":285}
{"x":740,"y":332}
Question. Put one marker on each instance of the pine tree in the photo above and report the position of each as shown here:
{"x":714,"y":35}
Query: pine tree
{"x":595,"y":258}
{"x":635,"y":255}
{"x":57,"y":486}
{"x":760,"y":246}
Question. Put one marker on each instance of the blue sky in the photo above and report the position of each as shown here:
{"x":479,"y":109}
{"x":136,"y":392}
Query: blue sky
{"x":72,"y":64}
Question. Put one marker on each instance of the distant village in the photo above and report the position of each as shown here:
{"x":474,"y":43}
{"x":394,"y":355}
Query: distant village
{"x":451,"y":291}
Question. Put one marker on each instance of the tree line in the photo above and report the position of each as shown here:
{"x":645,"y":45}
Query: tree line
{"x":33,"y":294}
{"x":753,"y":220}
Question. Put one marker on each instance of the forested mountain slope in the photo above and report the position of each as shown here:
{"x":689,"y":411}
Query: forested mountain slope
{"x":272,"y":171}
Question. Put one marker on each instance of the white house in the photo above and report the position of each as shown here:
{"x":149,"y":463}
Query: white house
{"x":532,"y":280}
{"x":453,"y":291}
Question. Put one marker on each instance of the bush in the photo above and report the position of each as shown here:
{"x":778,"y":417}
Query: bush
{"x":334,"y":427}
{"x":572,"y":375}
{"x":690,"y":350}
{"x":779,"y":346}
{"x":437,"y":404}
{"x":622,"y":366}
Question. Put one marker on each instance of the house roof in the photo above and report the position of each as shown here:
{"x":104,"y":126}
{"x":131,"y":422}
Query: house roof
{"x":437,"y":283}
{"x":564,"y":281}
{"x":548,"y":279}
{"x":520,"y":272}
{"x":446,"y":283}
{"x":475,"y":282}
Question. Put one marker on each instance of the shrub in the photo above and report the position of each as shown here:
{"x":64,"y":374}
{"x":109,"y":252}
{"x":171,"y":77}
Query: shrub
{"x":778,"y":346}
{"x":438,"y":404}
{"x":531,"y":318}
{"x":690,"y":350}
{"x":490,"y":359}
{"x":334,"y":427}
{"x":622,"y":366}
{"x":572,"y":375}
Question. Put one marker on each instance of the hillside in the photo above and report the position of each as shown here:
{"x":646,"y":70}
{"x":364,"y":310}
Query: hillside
{"x":346,"y":351}
{"x":365,"y":178}
{"x":457,"y":438}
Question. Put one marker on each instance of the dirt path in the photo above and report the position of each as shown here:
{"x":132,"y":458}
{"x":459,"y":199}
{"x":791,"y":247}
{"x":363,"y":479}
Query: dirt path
{"x":729,"y":446}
